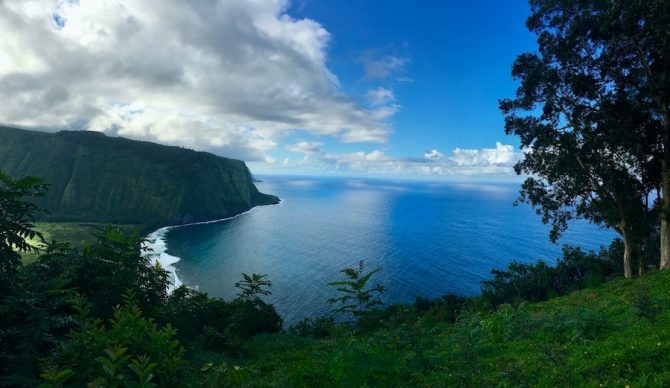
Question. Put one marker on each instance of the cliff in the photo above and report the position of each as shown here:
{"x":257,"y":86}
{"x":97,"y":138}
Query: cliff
{"x":98,"y":178}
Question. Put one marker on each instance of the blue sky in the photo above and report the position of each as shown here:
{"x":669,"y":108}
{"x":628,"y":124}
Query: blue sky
{"x":381,"y":88}
{"x":458,"y":54}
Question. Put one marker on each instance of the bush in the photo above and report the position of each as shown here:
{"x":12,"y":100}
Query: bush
{"x":215,"y":324}
{"x":104,"y":271}
{"x":537,"y":282}
{"x":318,"y":327}
{"x":356,"y":297}
{"x":132,"y":348}
{"x":444,"y":309}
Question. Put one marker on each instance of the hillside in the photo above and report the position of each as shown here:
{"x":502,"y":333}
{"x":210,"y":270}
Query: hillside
{"x":104,"y":179}
{"x":614,"y":335}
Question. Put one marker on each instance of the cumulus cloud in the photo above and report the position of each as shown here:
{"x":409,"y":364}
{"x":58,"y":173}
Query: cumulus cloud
{"x":501,"y":155}
{"x":227,"y":76}
{"x":433,"y":155}
{"x":461,"y":162}
{"x":305,"y":147}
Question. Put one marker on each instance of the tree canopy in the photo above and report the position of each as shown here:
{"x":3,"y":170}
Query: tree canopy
{"x":586,"y":115}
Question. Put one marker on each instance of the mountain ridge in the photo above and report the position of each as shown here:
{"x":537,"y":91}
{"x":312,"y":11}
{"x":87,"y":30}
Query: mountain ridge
{"x":94,"y":177}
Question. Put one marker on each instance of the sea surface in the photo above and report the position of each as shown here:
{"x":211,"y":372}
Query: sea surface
{"x":429,"y":238}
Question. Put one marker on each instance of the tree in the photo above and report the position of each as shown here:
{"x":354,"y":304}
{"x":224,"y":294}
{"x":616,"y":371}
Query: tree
{"x":17,"y":217}
{"x":356,"y":296}
{"x":588,"y":139}
{"x":636,"y":52}
{"x":106,"y":269}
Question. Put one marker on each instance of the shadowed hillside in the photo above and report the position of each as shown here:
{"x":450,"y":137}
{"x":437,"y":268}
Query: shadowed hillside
{"x":97,"y":178}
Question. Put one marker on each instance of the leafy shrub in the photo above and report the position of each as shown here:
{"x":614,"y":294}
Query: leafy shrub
{"x":215,"y":324}
{"x":35,"y":316}
{"x":105,"y":270}
{"x":445,"y":309}
{"x":537,"y":282}
{"x":356,"y":297}
{"x":318,"y":327}
{"x":253,"y":286}
{"x":130,"y":349}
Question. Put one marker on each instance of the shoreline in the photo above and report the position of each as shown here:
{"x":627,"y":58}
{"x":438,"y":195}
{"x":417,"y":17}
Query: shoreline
{"x":155,"y":247}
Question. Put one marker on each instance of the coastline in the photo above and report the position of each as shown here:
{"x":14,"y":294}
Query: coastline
{"x":155,"y":247}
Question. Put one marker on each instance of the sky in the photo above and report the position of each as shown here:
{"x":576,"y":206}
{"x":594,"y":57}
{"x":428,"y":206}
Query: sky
{"x":382,"y":88}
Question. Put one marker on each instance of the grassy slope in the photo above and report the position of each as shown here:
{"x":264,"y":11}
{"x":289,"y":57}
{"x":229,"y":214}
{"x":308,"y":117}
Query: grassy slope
{"x":614,"y":335}
{"x":76,"y":233}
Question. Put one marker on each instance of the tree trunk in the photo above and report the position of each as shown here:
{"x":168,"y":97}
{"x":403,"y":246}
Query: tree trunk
{"x":628,"y":252}
{"x":665,"y":216}
{"x":665,"y":193}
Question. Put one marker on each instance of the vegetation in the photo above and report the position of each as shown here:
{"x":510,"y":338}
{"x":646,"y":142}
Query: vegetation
{"x":100,"y":179}
{"x":356,"y":297}
{"x":17,"y":219}
{"x":99,"y":315}
{"x":587,"y":338}
{"x":593,"y":110}
{"x":252,"y":286}
{"x":77,"y":234}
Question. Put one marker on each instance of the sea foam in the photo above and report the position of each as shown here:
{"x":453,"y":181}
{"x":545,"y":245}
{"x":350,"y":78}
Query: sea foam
{"x":155,"y":248}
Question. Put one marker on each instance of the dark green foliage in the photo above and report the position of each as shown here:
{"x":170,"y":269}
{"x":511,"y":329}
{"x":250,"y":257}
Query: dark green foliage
{"x":35,"y":316}
{"x":537,"y":282}
{"x":17,"y":217}
{"x":104,"y":271}
{"x":317,"y":327}
{"x":594,"y":138}
{"x":212,"y":323}
{"x":131,"y":349}
{"x":33,"y":308}
{"x":251,"y":317}
{"x":445,"y":309}
{"x":357,"y":296}
{"x":114,"y":180}
{"x":590,"y":337}
{"x":99,"y":315}
{"x":253,"y":286}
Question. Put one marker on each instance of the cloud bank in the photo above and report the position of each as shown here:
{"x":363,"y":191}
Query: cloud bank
{"x":461,"y":162}
{"x":232,"y":77}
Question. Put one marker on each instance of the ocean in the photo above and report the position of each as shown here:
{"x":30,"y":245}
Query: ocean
{"x":428,"y":238}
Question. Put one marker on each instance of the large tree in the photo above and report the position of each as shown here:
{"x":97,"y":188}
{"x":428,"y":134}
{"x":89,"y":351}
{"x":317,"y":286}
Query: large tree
{"x":634,"y":37}
{"x":587,"y":138}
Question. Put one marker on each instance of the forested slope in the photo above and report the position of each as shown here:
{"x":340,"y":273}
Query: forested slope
{"x":97,"y":178}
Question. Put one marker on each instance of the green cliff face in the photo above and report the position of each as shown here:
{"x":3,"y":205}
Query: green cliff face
{"x":115,"y":180}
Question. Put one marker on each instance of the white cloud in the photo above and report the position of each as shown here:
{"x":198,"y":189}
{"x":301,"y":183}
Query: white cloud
{"x":228,"y":76}
{"x":380,"y":96}
{"x":305,"y":147}
{"x":501,"y":155}
{"x":379,"y":66}
{"x":461,"y":162}
{"x":433,"y":155}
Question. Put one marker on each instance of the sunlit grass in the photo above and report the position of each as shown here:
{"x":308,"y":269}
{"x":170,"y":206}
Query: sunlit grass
{"x":76,"y":233}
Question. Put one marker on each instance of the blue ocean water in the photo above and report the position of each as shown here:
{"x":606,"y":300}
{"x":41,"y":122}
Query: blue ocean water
{"x":429,"y":238}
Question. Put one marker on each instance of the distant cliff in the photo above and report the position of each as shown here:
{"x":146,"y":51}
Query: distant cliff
{"x":97,"y":178}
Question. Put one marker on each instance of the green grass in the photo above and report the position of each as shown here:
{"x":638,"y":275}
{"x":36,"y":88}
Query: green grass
{"x":615,"y":335}
{"x":76,"y":233}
